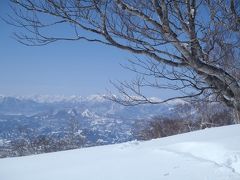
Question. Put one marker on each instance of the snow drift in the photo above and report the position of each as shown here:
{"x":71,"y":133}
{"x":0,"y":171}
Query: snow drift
{"x":210,"y":154}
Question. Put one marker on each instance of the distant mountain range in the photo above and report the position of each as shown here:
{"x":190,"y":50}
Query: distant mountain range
{"x":94,"y":104}
{"x":97,"y":120}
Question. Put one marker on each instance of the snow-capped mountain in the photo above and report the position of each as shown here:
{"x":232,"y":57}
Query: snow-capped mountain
{"x":88,"y":114}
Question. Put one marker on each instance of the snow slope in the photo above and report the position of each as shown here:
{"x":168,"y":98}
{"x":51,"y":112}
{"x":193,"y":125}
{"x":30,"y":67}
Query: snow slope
{"x":211,"y":154}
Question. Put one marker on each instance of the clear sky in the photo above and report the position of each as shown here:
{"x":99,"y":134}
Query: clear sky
{"x":61,"y":68}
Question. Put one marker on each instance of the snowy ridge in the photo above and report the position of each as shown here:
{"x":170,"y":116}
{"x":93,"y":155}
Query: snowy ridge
{"x":52,"y":99}
{"x":78,"y":99}
{"x":57,"y":98}
{"x":63,"y":98}
{"x":210,"y":154}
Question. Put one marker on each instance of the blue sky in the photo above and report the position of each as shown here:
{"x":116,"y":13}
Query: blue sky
{"x":61,"y":68}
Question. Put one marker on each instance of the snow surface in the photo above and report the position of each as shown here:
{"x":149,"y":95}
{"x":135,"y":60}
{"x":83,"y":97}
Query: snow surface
{"x":210,"y":154}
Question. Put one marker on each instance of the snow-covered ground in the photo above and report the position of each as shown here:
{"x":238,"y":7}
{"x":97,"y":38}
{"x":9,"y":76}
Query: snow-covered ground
{"x":211,"y":154}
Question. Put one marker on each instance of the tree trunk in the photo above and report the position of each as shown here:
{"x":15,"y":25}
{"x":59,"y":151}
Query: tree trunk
{"x":236,"y":116}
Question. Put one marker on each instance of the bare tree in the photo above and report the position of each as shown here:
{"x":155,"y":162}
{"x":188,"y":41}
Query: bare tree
{"x":191,"y":46}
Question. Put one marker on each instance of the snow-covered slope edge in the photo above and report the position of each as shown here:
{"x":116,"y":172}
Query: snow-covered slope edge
{"x":202,"y":155}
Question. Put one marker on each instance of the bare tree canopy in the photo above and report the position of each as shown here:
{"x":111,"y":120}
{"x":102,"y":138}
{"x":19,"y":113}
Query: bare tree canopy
{"x":194,"y":44}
